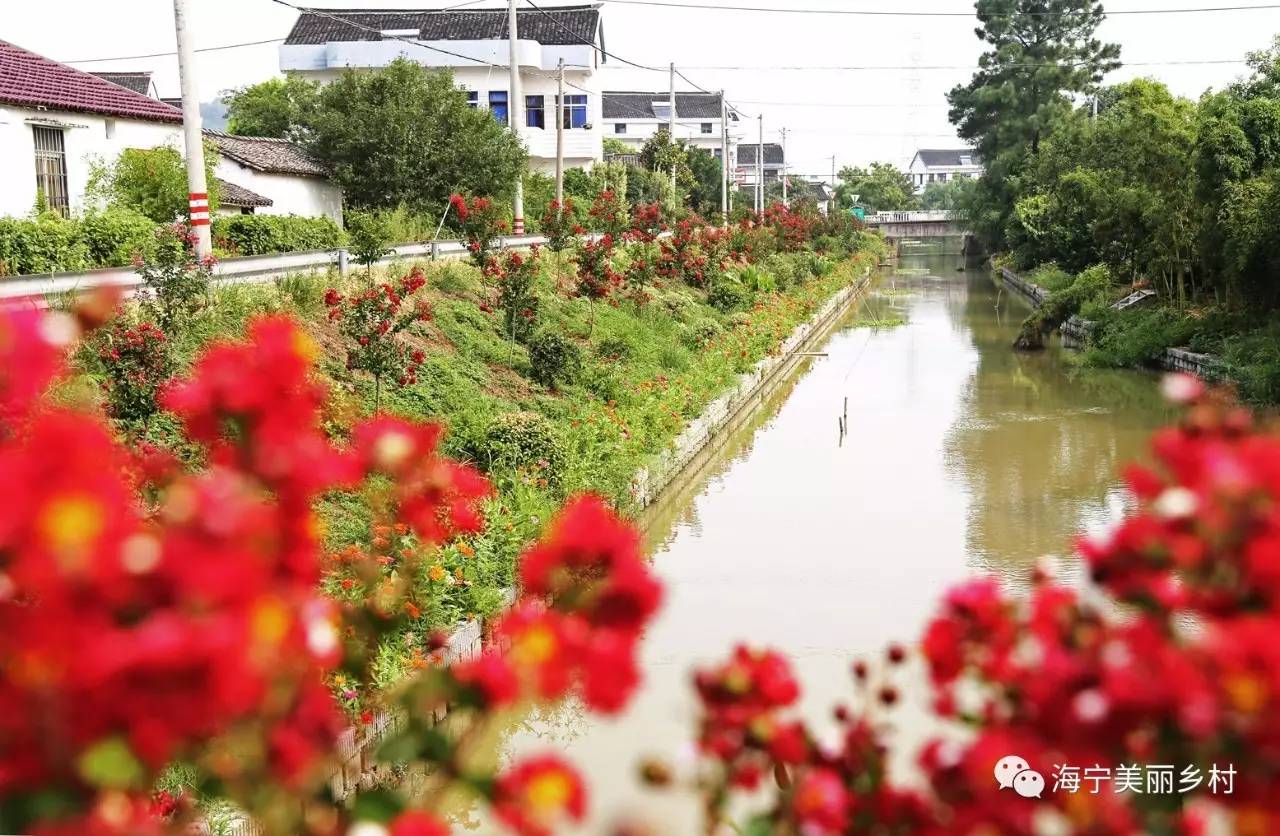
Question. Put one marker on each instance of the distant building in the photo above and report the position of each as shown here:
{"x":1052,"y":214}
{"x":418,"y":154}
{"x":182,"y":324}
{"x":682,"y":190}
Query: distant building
{"x":56,"y":120}
{"x":273,"y":177}
{"x":633,"y":118}
{"x":747,"y":169}
{"x":934,"y":166}
{"x":138,"y":82}
{"x":323,"y":45}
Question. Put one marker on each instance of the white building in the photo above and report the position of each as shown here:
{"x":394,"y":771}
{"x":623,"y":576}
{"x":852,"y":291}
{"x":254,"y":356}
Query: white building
{"x":748,"y":171}
{"x":55,"y":121}
{"x":934,"y":166}
{"x":474,"y":45}
{"x":272,"y":177}
{"x":633,"y":118}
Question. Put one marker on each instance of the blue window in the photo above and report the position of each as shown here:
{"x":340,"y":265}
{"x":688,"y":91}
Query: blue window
{"x":535,"y":112}
{"x":575,"y":111}
{"x":498,"y":105}
{"x":473,"y":98}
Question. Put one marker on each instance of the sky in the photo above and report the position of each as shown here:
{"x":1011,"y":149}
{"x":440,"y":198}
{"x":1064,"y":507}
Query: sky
{"x":884,"y":111}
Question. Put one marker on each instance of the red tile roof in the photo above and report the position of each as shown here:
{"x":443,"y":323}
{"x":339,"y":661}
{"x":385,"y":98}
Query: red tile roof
{"x":30,"y":80}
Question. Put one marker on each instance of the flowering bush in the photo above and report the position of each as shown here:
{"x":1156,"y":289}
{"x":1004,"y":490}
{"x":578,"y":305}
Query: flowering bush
{"x":128,"y":641}
{"x":609,"y":215}
{"x":596,"y":276}
{"x":136,"y":360}
{"x":793,"y":228}
{"x":372,"y":322}
{"x":687,"y":254}
{"x":481,"y":222}
{"x":646,"y":222}
{"x":512,"y":277}
{"x":177,"y":282}
{"x":560,"y":226}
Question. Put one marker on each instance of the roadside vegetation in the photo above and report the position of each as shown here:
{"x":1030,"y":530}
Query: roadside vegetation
{"x":554,"y":373}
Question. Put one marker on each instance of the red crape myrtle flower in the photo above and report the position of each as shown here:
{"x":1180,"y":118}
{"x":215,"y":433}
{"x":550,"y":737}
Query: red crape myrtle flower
{"x":535,"y":796}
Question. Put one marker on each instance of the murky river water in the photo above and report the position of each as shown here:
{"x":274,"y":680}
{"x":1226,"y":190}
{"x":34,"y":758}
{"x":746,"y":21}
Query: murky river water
{"x":962,"y":457}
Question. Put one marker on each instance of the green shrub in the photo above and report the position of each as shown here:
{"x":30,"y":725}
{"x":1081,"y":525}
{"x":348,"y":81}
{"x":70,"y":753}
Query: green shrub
{"x":782,"y":268}
{"x":757,"y":280}
{"x":47,"y":243}
{"x":263,"y":234}
{"x":700,"y":332}
{"x":614,"y":348}
{"x":369,"y":234}
{"x":553,"y":358}
{"x":115,"y":236}
{"x":522,"y":440}
{"x":727,"y":294}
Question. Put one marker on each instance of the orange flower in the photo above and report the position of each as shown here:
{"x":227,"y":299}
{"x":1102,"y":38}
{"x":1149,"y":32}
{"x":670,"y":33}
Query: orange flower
{"x":437,"y":573}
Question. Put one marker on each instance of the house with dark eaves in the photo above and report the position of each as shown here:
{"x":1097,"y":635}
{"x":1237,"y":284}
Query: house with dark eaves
{"x":473,"y":44}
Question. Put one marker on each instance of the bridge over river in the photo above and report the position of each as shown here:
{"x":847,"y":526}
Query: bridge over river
{"x":935,"y":223}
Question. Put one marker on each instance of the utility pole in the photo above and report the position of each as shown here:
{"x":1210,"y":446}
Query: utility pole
{"x":671,"y":126}
{"x":784,"y":168}
{"x":832,"y":206}
{"x":1095,"y":107}
{"x":560,"y":138}
{"x":515,"y":111}
{"x":760,"y":166}
{"x":197,"y":186}
{"x":724,"y":160}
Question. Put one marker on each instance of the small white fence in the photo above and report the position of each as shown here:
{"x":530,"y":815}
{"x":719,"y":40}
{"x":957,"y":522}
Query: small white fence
{"x":251,"y":269}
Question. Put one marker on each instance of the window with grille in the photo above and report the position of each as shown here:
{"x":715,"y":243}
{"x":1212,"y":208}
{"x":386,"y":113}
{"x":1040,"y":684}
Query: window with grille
{"x":535,"y":112}
{"x":706,"y":127}
{"x":51,"y":168}
{"x":575,"y":111}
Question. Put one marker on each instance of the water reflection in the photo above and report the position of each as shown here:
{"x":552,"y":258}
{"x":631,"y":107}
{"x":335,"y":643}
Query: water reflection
{"x":961,"y":457}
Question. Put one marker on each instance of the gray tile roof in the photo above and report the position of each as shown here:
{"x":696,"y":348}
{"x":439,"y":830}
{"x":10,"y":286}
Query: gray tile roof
{"x":627,"y":105}
{"x":139,"y":82}
{"x":773,"y":154}
{"x":947,"y":157}
{"x":560,"y":25}
{"x":233,"y":195}
{"x":272,"y":156}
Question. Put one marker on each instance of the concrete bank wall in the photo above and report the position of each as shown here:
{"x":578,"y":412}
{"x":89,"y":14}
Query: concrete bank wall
{"x":752,"y":388}
{"x":1076,"y":331}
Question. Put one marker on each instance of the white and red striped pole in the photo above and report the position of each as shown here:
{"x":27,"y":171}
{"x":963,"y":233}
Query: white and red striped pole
{"x":197,"y":186}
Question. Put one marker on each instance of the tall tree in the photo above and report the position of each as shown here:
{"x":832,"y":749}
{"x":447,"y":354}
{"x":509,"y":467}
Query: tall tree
{"x":277,"y":107}
{"x":405,"y":135}
{"x":880,"y":188}
{"x":1040,"y":51}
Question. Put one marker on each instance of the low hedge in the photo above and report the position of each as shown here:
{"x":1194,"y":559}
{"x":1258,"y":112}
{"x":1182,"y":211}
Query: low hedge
{"x":263,"y":234}
{"x":50,"y":243}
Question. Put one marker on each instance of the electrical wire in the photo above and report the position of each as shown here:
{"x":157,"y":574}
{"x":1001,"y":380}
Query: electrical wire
{"x":904,"y":13}
{"x":591,"y":44}
{"x":969,"y":67}
{"x":168,"y":54}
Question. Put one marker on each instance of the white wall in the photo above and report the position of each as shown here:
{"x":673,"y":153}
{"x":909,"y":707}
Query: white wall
{"x":87,"y":137}
{"x":582,"y":148}
{"x":310,"y":197}
{"x":640,"y":131}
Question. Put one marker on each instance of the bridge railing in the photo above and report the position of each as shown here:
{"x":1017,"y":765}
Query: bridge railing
{"x":927,"y":216}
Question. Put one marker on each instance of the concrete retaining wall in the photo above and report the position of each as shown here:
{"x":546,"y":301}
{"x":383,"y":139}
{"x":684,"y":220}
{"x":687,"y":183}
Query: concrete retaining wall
{"x":1076,"y":333}
{"x":751,"y":388}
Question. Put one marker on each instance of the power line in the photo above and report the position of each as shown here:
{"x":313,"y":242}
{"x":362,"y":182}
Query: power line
{"x":901,"y":13}
{"x":169,"y":54}
{"x":384,"y":36}
{"x":903,"y":67}
{"x":591,"y":44}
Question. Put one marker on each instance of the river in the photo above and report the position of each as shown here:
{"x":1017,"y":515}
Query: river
{"x":961,"y":457}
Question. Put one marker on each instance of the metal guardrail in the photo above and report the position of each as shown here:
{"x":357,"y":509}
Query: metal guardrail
{"x":929,"y":216}
{"x":250,"y":269}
